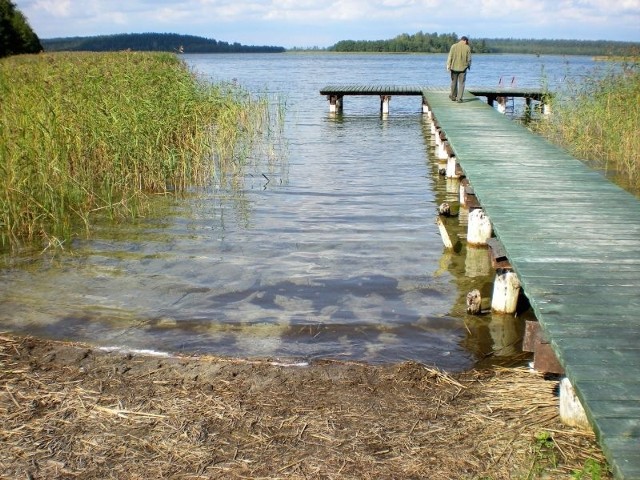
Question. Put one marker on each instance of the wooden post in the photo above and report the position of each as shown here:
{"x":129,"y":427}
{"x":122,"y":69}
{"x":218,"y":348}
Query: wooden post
{"x":479,"y":228}
{"x":425,"y":107}
{"x":437,"y":137}
{"x":506,"y":289}
{"x":452,"y":167}
{"x":571,"y":410}
{"x":442,"y":150}
{"x":335,"y":103}
{"x":446,"y":240}
{"x":465,"y":186}
{"x":474,"y":302}
{"x":502,"y":104}
{"x":441,"y":145}
{"x":384,"y":103}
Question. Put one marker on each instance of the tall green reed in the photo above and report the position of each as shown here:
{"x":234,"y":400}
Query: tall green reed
{"x":598,"y":120}
{"x":93,"y":134}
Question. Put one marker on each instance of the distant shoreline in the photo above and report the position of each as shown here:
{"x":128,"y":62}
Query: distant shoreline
{"x":421,"y":43}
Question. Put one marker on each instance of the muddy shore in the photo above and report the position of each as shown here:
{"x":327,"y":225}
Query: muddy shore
{"x":73,"y":411}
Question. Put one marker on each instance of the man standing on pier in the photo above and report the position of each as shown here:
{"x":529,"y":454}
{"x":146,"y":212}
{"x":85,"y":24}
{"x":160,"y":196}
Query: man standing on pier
{"x":458,"y":62}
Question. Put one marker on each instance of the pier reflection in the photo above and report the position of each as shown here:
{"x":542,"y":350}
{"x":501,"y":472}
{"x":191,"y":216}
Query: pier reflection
{"x":492,"y":338}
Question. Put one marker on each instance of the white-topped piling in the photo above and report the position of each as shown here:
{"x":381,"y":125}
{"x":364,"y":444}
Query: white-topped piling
{"x":506,"y":290}
{"x":479,"y":227}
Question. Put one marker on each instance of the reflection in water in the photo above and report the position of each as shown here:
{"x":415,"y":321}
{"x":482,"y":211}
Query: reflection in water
{"x":477,"y":262}
{"x":491,"y":337}
{"x":335,"y":255}
{"x":343,"y":262}
{"x":323,"y":246}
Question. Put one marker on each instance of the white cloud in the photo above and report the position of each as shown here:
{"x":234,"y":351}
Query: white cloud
{"x":324,"y":22}
{"x":57,"y":8}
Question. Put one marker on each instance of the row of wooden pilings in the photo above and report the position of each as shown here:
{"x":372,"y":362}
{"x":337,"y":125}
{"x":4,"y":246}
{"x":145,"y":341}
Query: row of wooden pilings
{"x":506,"y":285}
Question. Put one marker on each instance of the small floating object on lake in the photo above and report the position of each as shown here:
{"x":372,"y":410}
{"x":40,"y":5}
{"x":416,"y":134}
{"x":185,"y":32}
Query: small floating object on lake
{"x":474,"y":300}
{"x":442,"y":171}
{"x":444,"y":209}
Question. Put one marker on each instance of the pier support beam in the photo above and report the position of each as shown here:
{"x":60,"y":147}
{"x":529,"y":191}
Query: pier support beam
{"x":571,"y":410}
{"x":506,"y":290}
{"x":502,"y":104}
{"x":335,"y":103}
{"x":479,"y":228}
{"x":384,"y":103}
{"x":425,"y":108}
{"x":441,"y":145}
{"x":446,"y":240}
{"x":452,"y":167}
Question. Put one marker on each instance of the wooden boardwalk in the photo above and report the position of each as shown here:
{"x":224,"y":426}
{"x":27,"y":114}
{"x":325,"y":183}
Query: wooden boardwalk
{"x":335,"y":93}
{"x":360,"y":89}
{"x":573,"y":238}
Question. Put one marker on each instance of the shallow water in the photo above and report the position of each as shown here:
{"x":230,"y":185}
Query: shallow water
{"x":327,"y":249}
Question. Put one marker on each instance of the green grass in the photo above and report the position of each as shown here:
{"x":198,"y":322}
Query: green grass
{"x":598,"y":120}
{"x":94,"y":134}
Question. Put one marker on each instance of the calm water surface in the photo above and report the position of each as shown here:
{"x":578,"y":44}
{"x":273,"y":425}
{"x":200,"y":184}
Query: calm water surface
{"x":327,"y":249}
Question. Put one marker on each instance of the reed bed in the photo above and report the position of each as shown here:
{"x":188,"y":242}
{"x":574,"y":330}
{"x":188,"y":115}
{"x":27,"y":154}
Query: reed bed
{"x":88,"y":134}
{"x":70,"y":411}
{"x":598,"y":120}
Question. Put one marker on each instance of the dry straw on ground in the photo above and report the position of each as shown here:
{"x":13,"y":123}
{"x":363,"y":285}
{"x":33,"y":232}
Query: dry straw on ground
{"x":72,"y":411}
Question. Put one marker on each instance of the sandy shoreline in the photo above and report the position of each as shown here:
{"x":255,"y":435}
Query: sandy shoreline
{"x":74,"y":411}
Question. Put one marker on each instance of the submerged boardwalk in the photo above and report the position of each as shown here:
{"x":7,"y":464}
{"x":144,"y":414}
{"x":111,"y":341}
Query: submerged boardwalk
{"x":573,"y":238}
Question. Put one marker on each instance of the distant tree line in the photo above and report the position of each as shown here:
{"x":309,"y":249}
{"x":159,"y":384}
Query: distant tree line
{"x":16,"y":35}
{"x":562,"y":47}
{"x":404,"y":43}
{"x":165,"y":42}
{"x":440,"y":43}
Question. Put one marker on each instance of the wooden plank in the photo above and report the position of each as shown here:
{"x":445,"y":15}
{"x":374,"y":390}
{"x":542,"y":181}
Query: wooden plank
{"x":604,"y":374}
{"x":625,"y":454}
{"x":596,"y":390}
{"x":563,"y":339}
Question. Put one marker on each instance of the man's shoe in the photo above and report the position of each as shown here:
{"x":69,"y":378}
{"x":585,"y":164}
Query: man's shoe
{"x":459,"y":101}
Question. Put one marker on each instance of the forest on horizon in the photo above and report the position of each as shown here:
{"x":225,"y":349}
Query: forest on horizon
{"x":440,"y":43}
{"x":163,"y":42}
{"x":404,"y":43}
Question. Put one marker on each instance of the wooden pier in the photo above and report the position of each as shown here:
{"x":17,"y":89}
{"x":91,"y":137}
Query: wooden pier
{"x":573,"y":239}
{"x":336,"y":93}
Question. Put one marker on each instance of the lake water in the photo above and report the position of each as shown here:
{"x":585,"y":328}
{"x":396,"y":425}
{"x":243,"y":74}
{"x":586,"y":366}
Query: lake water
{"x":327,"y":248}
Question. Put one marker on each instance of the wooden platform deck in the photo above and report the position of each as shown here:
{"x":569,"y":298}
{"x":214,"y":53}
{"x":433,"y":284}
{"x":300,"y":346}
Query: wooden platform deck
{"x":573,"y":238}
{"x":335,"y":93}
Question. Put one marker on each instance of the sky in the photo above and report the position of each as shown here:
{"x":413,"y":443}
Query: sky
{"x":322,"y":23}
